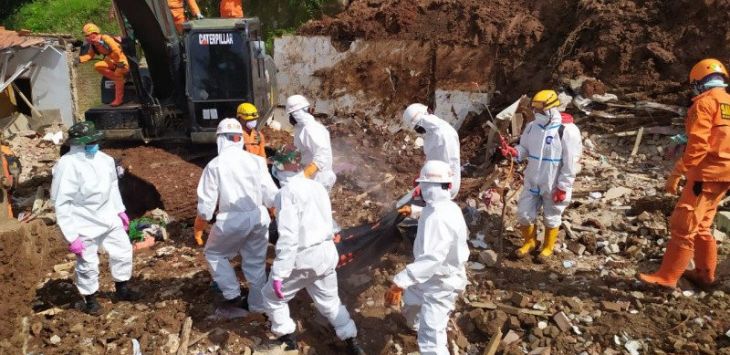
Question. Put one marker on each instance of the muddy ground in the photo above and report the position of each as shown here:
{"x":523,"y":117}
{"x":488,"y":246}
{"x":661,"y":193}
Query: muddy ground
{"x":643,"y":49}
{"x":597,"y":293}
{"x":640,"y":49}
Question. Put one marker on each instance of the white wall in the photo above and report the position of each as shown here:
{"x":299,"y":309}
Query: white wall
{"x":50,"y":79}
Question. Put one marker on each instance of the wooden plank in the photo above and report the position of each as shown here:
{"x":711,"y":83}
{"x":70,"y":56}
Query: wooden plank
{"x":185,"y":336}
{"x":491,"y":348}
{"x":637,"y":142}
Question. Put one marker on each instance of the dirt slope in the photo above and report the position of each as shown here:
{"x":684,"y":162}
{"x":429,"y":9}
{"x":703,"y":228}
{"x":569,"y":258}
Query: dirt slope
{"x":641,"y":47}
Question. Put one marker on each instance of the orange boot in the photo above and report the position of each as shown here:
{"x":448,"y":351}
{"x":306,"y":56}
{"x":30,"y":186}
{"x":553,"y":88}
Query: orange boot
{"x":673,"y":265}
{"x":118,"y":93}
{"x":705,"y":263}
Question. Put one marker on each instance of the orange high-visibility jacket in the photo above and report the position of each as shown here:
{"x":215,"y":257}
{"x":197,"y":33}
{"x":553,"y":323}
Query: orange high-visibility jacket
{"x":254,"y":143}
{"x":109,"y":48}
{"x":231,"y":9}
{"x":178,"y":4}
{"x":707,"y":156}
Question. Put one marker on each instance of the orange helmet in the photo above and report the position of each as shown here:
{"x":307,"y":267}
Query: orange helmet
{"x":706,"y":67}
{"x":90,"y":28}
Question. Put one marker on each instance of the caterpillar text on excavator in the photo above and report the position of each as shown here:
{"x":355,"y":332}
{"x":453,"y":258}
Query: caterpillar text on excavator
{"x":180,"y":85}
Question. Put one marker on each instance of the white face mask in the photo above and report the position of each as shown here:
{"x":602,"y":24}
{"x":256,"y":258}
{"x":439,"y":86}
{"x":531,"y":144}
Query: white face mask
{"x":283,"y":176}
{"x":434,"y":192}
{"x":251,"y":124}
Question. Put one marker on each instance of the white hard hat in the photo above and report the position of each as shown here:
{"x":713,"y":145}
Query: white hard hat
{"x":436,"y":171}
{"x":413,"y":114}
{"x":296,"y":102}
{"x":229,"y":125}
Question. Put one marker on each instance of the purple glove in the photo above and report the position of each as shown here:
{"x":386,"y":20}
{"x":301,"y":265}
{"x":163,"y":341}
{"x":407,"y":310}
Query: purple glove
{"x":77,"y":246}
{"x":277,"y":289}
{"x":125,"y":220}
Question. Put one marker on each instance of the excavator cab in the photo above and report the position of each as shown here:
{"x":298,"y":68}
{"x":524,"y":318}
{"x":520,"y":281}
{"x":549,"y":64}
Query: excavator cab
{"x":226,"y":65}
{"x":187,"y":82}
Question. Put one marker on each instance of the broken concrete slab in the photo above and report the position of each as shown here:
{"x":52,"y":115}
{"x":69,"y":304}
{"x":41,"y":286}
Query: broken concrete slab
{"x":616,"y":192}
{"x":563,"y":322}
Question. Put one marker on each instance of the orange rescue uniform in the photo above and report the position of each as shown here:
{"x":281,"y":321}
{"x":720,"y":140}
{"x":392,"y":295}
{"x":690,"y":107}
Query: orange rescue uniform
{"x":115,"y":65}
{"x":231,"y":9}
{"x":178,"y":11}
{"x":7,"y":179}
{"x":706,"y":164}
{"x":254,"y":142}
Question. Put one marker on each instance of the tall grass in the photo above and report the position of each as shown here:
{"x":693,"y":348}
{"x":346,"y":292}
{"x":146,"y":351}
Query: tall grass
{"x":63,"y":16}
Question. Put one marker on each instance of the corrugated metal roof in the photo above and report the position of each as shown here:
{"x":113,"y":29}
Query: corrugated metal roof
{"x":10,"y":39}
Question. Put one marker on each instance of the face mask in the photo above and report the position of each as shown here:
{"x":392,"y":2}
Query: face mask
{"x":282,"y":175}
{"x":251,"y":124}
{"x":434,"y":192}
{"x":419,"y":129}
{"x":292,"y":120}
{"x":91,"y":149}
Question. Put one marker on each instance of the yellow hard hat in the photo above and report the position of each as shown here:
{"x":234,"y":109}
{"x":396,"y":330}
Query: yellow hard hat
{"x":545,"y":100}
{"x":706,"y":67}
{"x":90,"y":28}
{"x":247,"y":111}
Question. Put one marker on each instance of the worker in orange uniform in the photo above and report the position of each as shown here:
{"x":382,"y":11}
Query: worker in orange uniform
{"x":253,"y":139}
{"x":8,"y":178}
{"x":178,"y":12}
{"x":114,"y":66}
{"x":231,"y":9}
{"x":706,"y":165}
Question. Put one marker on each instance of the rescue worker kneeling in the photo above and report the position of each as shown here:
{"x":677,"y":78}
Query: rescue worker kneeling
{"x":239,"y":185}
{"x":552,"y":143}
{"x":90,"y":213}
{"x":436,"y":277}
{"x":114,"y":66}
{"x":306,"y":257}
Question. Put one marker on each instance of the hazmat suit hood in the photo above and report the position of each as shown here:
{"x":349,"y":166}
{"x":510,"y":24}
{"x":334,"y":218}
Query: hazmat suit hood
{"x":224,"y":143}
{"x":552,"y":115}
{"x":433,"y":193}
{"x":303,"y":117}
{"x":429,"y":123}
{"x":285,"y":176}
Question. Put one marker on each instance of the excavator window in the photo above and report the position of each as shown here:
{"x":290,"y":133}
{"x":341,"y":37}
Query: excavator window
{"x":220,"y":66}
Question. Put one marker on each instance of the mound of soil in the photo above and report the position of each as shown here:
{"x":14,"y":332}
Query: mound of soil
{"x":27,"y":253}
{"x":644,"y":48}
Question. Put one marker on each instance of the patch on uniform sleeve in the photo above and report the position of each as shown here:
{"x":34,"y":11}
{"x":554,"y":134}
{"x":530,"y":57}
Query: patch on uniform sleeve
{"x":725,"y":111}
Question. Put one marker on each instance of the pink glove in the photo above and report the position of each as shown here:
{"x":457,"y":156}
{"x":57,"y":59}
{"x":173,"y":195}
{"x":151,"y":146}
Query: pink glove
{"x":277,"y":289}
{"x":559,"y":195}
{"x":125,"y":220}
{"x":77,"y":246}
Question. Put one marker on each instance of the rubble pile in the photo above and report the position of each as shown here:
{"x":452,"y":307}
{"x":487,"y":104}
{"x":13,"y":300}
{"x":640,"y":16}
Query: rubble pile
{"x":37,"y":152}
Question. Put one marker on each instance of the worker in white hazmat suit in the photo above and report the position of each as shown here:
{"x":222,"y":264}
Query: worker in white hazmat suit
{"x":433,"y":281}
{"x":313,"y":141}
{"x":306,"y":257}
{"x":552,"y":145}
{"x":239,"y":185}
{"x":440,"y":140}
{"x":90,"y":213}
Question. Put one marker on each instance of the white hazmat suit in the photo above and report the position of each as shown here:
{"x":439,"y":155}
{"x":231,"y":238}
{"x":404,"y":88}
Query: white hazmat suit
{"x":441,"y":142}
{"x":312,"y":139}
{"x":238,"y":183}
{"x":553,"y":163}
{"x":306,"y":257}
{"x":433,"y":281}
{"x":85,"y":191}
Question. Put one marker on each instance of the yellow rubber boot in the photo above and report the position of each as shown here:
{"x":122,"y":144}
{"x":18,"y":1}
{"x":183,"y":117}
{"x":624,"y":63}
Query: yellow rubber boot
{"x":529,"y":234}
{"x":551,"y":236}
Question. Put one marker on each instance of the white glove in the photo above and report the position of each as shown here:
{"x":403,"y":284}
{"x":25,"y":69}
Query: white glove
{"x":200,"y":16}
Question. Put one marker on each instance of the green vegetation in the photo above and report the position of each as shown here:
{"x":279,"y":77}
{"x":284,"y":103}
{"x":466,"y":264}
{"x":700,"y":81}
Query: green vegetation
{"x":279,"y":17}
{"x":63,"y":16}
